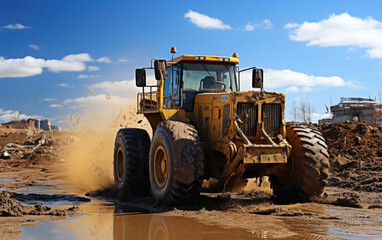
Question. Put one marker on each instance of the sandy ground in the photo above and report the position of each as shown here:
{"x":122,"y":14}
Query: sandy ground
{"x":352,"y":201}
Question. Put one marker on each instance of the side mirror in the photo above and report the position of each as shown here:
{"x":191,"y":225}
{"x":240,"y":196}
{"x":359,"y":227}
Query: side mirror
{"x":257,"y":78}
{"x":160,"y":66}
{"x":140,"y":77}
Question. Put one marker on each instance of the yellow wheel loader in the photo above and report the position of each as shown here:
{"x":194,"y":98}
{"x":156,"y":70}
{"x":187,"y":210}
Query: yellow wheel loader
{"x":208,"y":132}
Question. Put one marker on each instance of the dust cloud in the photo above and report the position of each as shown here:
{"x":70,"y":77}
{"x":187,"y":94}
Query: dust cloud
{"x":89,"y":161}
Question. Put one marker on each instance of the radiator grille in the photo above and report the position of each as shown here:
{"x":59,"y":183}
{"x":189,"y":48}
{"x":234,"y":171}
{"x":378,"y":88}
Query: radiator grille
{"x":271,"y":118}
{"x":247,"y":112}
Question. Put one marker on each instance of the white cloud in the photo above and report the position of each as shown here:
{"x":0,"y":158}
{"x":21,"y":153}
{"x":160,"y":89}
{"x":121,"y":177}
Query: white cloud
{"x":82,"y":57}
{"x":65,"y":85}
{"x":249,"y":27}
{"x":30,"y":66}
{"x":318,"y":116}
{"x":83,"y":76}
{"x":123,"y":60}
{"x":48,"y":99}
{"x":291,"y":25}
{"x":55,"y":105}
{"x":16,"y":26}
{"x":62,"y":66}
{"x":93,"y":68}
{"x":104,"y":60}
{"x":34,"y":46}
{"x":292,"y":89}
{"x":120,"y":93}
{"x":340,"y":30}
{"x":278,"y":78}
{"x":11,"y":115}
{"x":266,"y":24}
{"x":125,"y":88}
{"x":307,"y":89}
{"x":70,"y":63}
{"x":21,"y":67}
{"x":295,"y":81}
{"x":205,"y":22}
{"x":100,"y":101}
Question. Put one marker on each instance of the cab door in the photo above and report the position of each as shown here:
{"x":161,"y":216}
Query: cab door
{"x":171,"y":89}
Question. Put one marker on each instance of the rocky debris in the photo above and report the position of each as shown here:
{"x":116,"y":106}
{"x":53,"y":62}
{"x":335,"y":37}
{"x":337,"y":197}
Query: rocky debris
{"x":330,"y":218}
{"x":5,"y":155}
{"x":34,"y":197}
{"x":374,"y":206}
{"x":21,"y":124}
{"x":355,"y":154}
{"x":348,"y":200}
{"x":282,"y":212}
{"x":268,"y":211}
{"x":31,"y":124}
{"x":39,"y":141}
{"x":31,"y":146}
{"x":12,"y":147}
{"x":10,"y":207}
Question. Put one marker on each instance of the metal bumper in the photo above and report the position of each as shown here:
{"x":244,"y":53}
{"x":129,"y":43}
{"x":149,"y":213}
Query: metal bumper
{"x":265,"y":154}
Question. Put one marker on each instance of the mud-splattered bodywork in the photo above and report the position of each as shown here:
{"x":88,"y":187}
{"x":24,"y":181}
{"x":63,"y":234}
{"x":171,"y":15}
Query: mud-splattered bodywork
{"x":241,"y":127}
{"x":238,"y":129}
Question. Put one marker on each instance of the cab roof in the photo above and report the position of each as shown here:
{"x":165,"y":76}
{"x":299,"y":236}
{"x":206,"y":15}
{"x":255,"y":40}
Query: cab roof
{"x":204,"y":58}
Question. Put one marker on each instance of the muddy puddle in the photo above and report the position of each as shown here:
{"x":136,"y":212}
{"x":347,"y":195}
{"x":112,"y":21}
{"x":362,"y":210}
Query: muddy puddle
{"x":6,"y":179}
{"x":101,"y":222}
{"x":104,"y":220}
{"x":42,"y":187}
{"x":110,"y":219}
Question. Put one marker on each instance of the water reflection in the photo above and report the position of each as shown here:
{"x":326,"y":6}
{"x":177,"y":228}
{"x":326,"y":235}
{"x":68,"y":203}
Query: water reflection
{"x":157,"y":227}
{"x":104,"y":220}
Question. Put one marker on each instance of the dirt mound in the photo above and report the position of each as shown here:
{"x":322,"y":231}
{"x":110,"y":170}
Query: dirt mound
{"x":355,"y":154}
{"x":21,"y":124}
{"x":10,"y":207}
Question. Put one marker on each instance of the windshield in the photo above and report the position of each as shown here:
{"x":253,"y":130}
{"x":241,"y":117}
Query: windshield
{"x":209,"y":77}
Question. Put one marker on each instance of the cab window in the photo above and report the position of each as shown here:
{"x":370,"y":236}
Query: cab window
{"x":171,"y":87}
{"x":209,"y":77}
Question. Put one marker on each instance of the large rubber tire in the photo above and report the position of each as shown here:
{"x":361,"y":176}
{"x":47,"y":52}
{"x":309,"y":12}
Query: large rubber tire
{"x":131,"y":157}
{"x":177,"y":146}
{"x":305,"y":174}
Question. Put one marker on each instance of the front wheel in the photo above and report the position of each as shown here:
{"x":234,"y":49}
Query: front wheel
{"x":176,"y":163}
{"x":305,"y":174}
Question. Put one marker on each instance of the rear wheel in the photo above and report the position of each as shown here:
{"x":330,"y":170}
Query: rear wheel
{"x":176,"y":165}
{"x":131,"y":157}
{"x":305,"y":174}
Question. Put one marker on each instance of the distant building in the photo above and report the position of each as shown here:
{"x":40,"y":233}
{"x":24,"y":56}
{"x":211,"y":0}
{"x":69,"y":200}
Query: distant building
{"x":355,"y":109}
{"x":44,"y":124}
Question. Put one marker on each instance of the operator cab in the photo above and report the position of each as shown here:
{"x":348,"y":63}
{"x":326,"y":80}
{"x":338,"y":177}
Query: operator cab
{"x":195,"y":77}
{"x":186,"y":76}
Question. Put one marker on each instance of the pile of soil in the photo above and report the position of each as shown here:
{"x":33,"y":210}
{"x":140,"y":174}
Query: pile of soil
{"x":356,"y":155}
{"x":10,"y":207}
{"x":21,"y":124}
{"x":32,"y":156}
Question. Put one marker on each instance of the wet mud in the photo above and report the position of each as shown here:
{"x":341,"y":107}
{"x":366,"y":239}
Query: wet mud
{"x":41,"y":201}
{"x":11,"y":207}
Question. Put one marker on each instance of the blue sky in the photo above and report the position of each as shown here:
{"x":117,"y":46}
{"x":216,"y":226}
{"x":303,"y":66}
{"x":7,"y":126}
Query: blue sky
{"x":53,"y":52}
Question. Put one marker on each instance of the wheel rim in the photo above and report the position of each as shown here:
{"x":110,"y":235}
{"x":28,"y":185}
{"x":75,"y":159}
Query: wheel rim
{"x":160,"y":166}
{"x":120,"y":165}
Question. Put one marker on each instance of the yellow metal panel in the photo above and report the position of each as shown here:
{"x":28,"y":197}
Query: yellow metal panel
{"x":265,"y":154}
{"x":174,"y":114}
{"x":206,"y":58}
